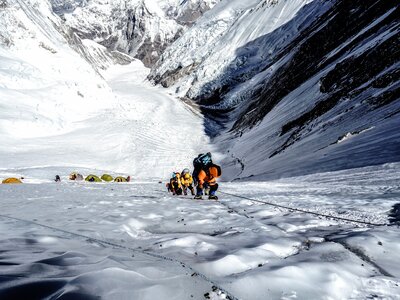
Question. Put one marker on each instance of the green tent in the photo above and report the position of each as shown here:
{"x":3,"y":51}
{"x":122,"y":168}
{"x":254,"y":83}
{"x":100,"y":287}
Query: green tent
{"x":107,"y":177}
{"x":92,"y":178}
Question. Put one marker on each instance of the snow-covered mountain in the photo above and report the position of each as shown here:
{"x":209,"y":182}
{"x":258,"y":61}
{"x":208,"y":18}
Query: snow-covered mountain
{"x":37,"y":62}
{"x":140,"y":28}
{"x":59,"y":112}
{"x":299,"y":86}
{"x":286,"y":87}
{"x":311,"y":85}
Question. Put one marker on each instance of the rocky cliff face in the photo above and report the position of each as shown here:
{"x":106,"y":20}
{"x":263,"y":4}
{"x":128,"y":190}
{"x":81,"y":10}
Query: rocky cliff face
{"x":142,"y":29}
{"x":316,"y":90}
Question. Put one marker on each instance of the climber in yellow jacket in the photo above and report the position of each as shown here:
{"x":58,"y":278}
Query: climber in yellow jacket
{"x":187,"y":181}
{"x":175,"y":185}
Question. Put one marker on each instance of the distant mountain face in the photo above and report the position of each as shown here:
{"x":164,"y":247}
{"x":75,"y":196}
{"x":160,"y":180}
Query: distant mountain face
{"x":140,"y":28}
{"x":293,"y":87}
{"x":49,"y":78}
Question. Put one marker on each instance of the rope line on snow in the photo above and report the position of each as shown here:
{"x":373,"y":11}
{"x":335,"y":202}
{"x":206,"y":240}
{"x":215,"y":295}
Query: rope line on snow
{"x":307,"y":211}
{"x":219,"y":202}
{"x":235,"y":210}
{"x":151,"y":254}
{"x":287,"y":208}
{"x":292,"y":209}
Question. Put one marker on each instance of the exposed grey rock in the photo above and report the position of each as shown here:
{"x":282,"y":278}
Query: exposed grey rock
{"x":3,"y":4}
{"x":132,"y":28}
{"x":66,"y":6}
{"x":169,"y":78}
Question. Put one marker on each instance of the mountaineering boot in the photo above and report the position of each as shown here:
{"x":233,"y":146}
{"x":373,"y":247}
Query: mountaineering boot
{"x":213,"y":197}
{"x":199,"y":193}
{"x":191,"y":190}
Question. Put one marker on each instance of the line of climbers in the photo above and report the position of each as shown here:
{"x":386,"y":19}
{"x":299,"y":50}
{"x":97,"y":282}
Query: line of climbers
{"x":204,"y":177}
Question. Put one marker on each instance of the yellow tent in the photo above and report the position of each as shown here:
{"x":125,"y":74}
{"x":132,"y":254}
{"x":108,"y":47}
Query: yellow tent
{"x":11,"y":180}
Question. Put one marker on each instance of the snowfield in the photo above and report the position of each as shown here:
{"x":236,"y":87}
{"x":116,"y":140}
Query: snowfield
{"x":78,"y":240}
{"x":73,"y":240}
{"x":65,"y":106}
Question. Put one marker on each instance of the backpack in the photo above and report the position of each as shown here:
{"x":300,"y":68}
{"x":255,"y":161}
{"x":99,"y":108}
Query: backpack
{"x":217,"y":169}
{"x":201,"y":162}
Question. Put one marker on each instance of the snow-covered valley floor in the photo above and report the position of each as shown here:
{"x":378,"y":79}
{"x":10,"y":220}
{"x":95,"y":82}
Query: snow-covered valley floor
{"x":74,"y":240}
{"x":136,"y":129}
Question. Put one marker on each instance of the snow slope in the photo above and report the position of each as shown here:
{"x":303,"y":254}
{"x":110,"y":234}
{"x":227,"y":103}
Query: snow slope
{"x":45,"y":85}
{"x":161,"y":133}
{"x":209,"y":47}
{"x":73,"y":240}
{"x":282,"y":83}
{"x":65,"y":107}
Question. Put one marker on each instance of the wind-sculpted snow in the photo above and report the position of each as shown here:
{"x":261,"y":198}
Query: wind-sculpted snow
{"x":111,"y":240}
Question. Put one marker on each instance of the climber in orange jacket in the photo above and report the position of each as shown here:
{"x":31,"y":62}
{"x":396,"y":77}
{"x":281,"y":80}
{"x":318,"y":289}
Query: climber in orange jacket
{"x":208,"y":176}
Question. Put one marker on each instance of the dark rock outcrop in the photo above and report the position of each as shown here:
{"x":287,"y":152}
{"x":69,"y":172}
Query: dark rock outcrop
{"x":324,"y":43}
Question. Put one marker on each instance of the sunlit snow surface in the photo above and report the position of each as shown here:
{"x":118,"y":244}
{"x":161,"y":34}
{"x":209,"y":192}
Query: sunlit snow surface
{"x":135,"y":241}
{"x":138,"y":131}
{"x":77,"y":240}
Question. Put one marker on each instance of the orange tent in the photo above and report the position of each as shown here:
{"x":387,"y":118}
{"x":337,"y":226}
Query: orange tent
{"x":11,"y":180}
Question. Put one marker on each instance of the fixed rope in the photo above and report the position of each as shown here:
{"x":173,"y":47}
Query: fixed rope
{"x":307,"y":211}
{"x":147,"y":253}
{"x":293,"y":209}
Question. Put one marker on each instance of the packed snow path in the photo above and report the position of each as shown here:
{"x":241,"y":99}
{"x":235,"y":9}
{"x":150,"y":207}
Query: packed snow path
{"x":164,"y":134}
{"x":251,"y":250}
